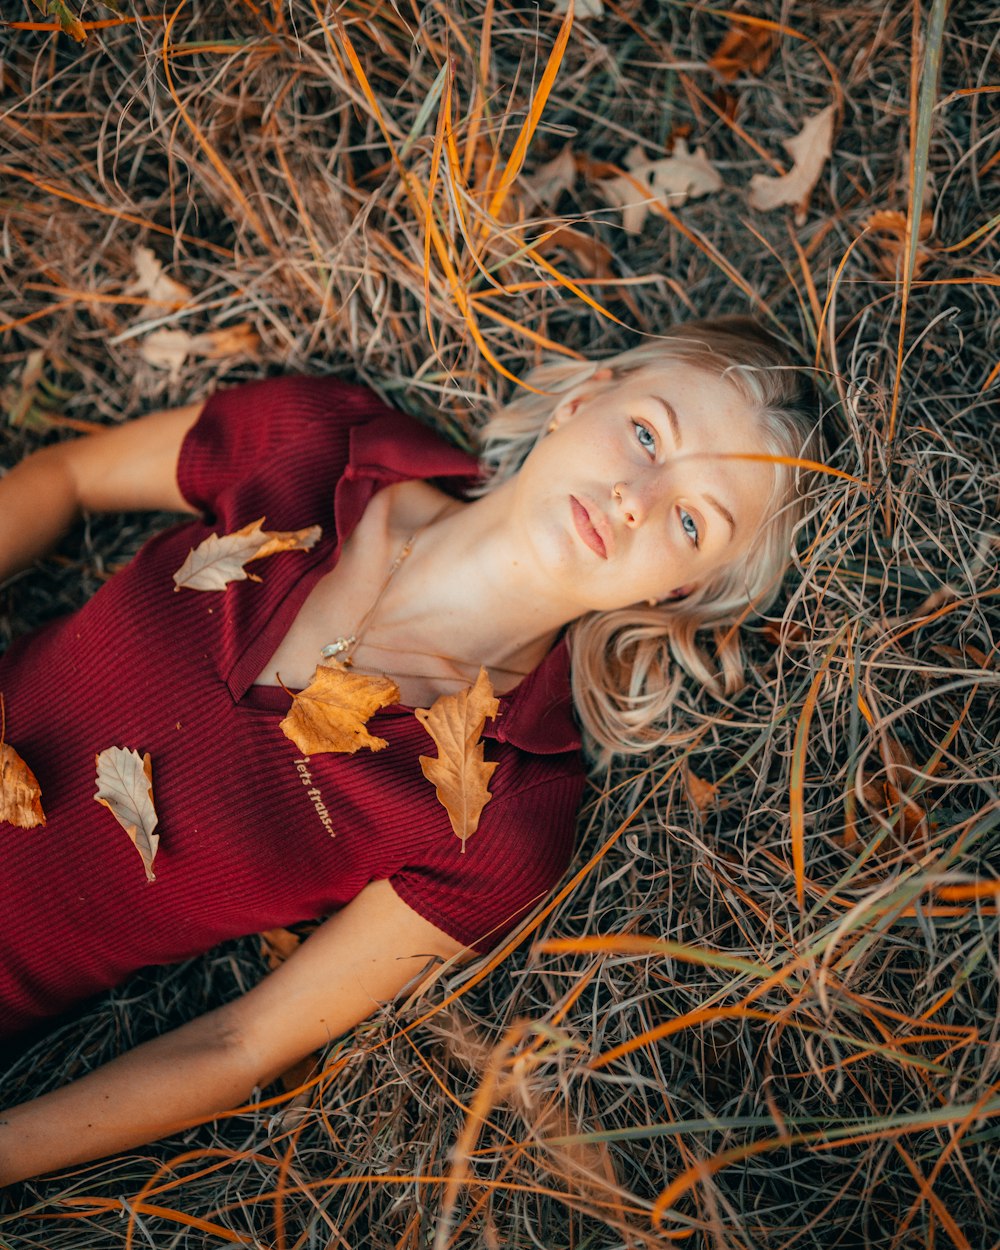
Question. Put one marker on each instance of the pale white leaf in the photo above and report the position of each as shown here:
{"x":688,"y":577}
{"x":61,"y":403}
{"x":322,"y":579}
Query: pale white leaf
{"x":810,"y":150}
{"x":219,"y":559}
{"x":152,"y":281}
{"x":167,"y":349}
{"x":125,"y":788}
{"x":671,"y":180}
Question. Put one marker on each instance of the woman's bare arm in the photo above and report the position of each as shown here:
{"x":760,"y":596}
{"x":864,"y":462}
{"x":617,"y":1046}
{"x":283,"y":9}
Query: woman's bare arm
{"x":126,"y":467}
{"x":358,"y":959}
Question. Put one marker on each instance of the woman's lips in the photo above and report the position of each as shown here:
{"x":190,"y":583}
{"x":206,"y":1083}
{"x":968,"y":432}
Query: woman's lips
{"x":591,"y":526}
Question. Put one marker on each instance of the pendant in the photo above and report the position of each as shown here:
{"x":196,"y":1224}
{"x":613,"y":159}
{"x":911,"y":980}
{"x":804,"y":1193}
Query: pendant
{"x":337,"y":646}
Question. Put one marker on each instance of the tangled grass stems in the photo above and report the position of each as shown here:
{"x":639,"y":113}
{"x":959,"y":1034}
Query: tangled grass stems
{"x":764,"y":1006}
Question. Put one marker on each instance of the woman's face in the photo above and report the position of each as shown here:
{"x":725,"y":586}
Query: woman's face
{"x":629,"y":499}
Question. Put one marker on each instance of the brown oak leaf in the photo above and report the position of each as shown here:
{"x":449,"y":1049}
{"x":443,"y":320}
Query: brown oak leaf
{"x":702,"y":793}
{"x":743,"y":50}
{"x":460,"y":774}
{"x":125,"y":788}
{"x":20,"y":793}
{"x":330,"y":714}
{"x":217,"y":561}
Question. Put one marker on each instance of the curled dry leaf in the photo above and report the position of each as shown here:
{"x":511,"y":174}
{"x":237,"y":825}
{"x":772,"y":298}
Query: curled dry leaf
{"x":125,"y":788}
{"x":673,"y":180}
{"x":702,"y":793}
{"x":889,"y":230}
{"x":216,"y":562}
{"x":20,"y":793}
{"x":460,"y":774}
{"x":810,"y":150}
{"x":277,"y":944}
{"x":331,"y":713}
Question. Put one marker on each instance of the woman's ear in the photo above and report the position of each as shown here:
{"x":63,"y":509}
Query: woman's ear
{"x":574,"y":398}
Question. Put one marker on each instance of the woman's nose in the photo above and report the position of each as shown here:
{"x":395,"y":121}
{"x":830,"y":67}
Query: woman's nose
{"x":632,"y":501}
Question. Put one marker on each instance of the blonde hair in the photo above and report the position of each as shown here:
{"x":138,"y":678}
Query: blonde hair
{"x":623,"y":680}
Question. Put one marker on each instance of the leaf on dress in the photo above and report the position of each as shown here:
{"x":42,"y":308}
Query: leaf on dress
{"x":460,"y":774}
{"x":125,"y":788}
{"x":810,"y":150}
{"x":331,"y":713}
{"x":20,"y":793}
{"x":217,"y":561}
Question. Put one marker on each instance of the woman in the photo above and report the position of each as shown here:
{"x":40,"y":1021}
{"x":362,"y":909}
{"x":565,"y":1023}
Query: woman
{"x":624,"y":504}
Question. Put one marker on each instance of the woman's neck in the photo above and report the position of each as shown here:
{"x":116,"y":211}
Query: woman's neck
{"x":464,"y":591}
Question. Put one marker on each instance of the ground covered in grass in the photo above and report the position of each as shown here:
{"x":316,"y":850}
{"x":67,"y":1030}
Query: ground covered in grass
{"x":772,"y":1020}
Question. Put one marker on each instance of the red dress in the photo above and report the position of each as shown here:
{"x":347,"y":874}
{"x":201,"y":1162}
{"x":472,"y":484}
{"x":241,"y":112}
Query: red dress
{"x":252,"y":834}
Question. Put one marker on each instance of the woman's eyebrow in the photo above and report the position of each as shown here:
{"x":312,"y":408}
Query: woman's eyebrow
{"x":671,"y":417}
{"x":725,"y":513}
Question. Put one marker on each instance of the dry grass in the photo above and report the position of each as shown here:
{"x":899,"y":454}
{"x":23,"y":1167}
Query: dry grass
{"x":765,"y":1018}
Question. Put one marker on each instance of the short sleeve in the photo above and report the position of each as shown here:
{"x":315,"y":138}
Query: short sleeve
{"x":513,"y":861}
{"x":282,"y":438}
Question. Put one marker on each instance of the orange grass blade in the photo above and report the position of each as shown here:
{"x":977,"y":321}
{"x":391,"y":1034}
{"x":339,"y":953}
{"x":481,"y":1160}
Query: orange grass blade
{"x":132,"y":218}
{"x":516,"y":159}
{"x":173,"y":1216}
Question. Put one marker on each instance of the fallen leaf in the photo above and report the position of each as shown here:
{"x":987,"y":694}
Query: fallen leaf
{"x":582,"y":8}
{"x":672,"y":180}
{"x":125,"y":788}
{"x":152,"y":281}
{"x":810,"y":150}
{"x":460,"y":774}
{"x":888,"y":229}
{"x":217,"y":561}
{"x":888,"y":796}
{"x":169,"y":349}
{"x":238,"y":340}
{"x":550,"y":180}
{"x":68,"y":21}
{"x":277,"y":945}
{"x":331,"y":713}
{"x":744,"y":49}
{"x":701,"y":793}
{"x":592,"y":256}
{"x":20,"y":793}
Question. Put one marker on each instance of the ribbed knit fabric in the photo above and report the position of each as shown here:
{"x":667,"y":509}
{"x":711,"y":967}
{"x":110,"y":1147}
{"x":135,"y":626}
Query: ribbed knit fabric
{"x":253,"y":835}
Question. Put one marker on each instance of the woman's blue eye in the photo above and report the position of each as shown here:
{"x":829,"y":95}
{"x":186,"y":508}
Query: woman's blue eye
{"x":644,"y":436}
{"x":688,"y":526}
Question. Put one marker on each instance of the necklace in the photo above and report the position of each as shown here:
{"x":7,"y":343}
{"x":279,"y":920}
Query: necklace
{"x":343,"y":647}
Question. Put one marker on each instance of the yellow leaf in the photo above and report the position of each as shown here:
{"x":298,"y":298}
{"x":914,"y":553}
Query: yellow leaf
{"x":460,"y":773}
{"x":330,"y":714}
{"x":216,"y":562}
{"x":20,"y":793}
{"x":125,"y":788}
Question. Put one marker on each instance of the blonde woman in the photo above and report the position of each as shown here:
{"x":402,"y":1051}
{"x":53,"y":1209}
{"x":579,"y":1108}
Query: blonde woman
{"x":611,"y":517}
